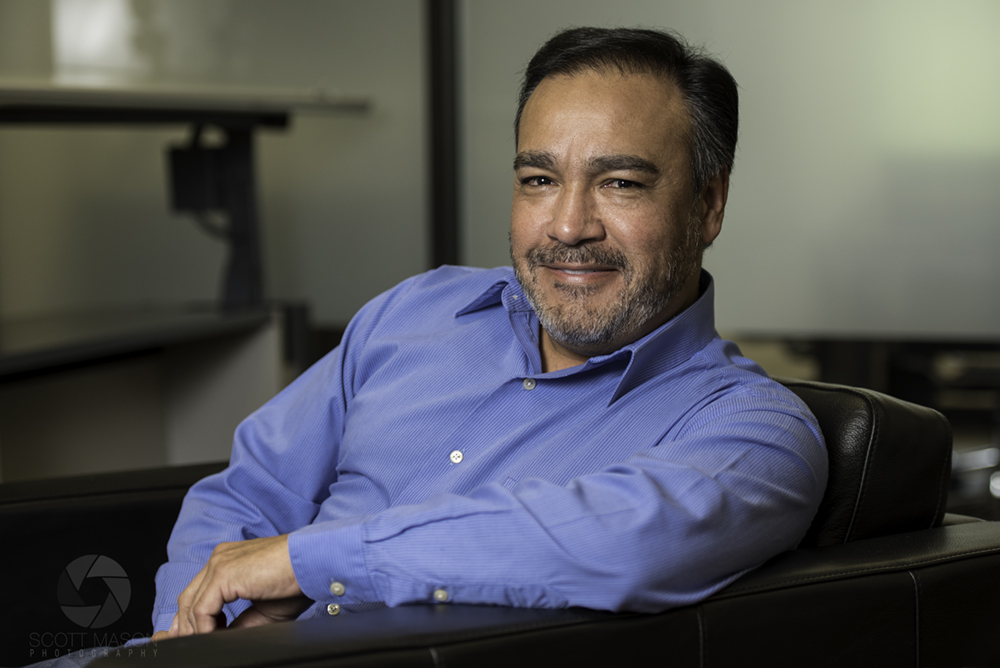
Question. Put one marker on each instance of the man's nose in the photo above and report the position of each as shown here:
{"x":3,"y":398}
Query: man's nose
{"x":575,"y":218}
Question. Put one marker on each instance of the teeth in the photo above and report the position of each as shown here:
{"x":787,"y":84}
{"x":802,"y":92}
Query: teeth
{"x":577,"y":271}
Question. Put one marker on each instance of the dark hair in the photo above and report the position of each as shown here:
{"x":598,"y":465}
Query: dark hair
{"x":708,"y":88}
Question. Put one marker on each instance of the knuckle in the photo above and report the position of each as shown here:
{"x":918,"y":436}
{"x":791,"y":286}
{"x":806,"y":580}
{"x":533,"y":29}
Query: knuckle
{"x":220,"y":549}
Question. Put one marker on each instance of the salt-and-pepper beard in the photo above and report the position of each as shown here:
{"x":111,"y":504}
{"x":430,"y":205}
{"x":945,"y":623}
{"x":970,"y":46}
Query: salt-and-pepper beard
{"x":643,"y":296}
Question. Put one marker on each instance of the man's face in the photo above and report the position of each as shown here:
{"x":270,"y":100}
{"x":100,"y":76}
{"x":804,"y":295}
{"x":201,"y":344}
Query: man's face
{"x":606,"y":230}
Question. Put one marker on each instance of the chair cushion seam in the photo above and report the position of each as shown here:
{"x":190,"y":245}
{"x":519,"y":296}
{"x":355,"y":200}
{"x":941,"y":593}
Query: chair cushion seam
{"x":875,"y":413}
{"x":943,"y":481}
{"x":916,"y":615}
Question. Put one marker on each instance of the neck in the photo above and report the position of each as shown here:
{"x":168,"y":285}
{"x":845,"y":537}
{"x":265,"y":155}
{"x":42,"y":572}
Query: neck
{"x":555,"y":357}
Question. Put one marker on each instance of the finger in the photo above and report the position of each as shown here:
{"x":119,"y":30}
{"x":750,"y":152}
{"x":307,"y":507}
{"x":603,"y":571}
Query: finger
{"x":160,"y":635}
{"x":174,"y":626}
{"x":185,"y":625}
{"x":214,"y":589}
{"x":184,"y":618}
{"x":207,"y":606}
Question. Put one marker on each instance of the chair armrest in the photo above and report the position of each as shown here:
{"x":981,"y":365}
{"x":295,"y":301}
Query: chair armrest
{"x":925,"y":598}
{"x":106,"y":484}
{"x":951,"y":519}
{"x":48,"y":524}
{"x":886,"y":554}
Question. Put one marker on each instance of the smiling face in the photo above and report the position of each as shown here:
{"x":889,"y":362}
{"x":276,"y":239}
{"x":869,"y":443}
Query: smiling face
{"x":606,"y":230}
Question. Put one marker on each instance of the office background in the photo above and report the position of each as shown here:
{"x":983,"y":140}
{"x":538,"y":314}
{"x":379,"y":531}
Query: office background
{"x":863,"y":198}
{"x":863,"y":206}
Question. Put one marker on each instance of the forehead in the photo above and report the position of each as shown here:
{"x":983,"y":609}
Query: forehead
{"x":605,"y":109}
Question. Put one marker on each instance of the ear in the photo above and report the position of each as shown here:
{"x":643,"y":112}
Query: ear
{"x":712,"y":206}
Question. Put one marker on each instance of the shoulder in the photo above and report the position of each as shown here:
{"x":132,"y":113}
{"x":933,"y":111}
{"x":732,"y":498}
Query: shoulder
{"x":461,"y":282}
{"x":422,"y":306}
{"x":732,"y":384}
{"x":433,"y":294}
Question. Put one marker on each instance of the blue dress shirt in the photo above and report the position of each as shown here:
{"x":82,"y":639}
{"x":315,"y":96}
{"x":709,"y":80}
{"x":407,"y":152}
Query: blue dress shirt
{"x":428,"y":458}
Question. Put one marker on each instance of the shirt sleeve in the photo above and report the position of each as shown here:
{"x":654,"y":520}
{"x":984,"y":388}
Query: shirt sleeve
{"x":666,"y":527}
{"x":283,"y":461}
{"x":265,"y":491}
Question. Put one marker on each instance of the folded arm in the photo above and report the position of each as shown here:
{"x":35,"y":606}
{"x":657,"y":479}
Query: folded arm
{"x":667,"y":527}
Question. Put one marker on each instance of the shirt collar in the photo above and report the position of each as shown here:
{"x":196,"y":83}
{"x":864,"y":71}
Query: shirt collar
{"x":491,"y":295}
{"x":671,"y":344}
{"x":674,"y":342}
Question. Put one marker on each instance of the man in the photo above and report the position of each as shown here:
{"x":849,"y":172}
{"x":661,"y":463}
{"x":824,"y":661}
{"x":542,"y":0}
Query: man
{"x":570,"y":433}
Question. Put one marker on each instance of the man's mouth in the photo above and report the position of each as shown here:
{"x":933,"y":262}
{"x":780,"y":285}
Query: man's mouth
{"x":575,"y":276}
{"x":577,"y":265}
{"x":577,"y":269}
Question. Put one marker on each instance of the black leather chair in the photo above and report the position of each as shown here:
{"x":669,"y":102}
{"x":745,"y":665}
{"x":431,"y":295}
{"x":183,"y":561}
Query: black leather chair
{"x":882,"y":578}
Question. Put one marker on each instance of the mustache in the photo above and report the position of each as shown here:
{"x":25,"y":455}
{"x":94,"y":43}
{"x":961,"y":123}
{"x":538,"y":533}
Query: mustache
{"x":586,"y":254}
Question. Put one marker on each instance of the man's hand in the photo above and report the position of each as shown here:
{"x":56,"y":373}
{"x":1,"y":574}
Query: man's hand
{"x":258,"y":570}
{"x":258,"y":614}
{"x":269,"y":612}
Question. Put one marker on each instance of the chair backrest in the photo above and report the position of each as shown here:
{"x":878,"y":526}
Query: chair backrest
{"x":890,"y":463}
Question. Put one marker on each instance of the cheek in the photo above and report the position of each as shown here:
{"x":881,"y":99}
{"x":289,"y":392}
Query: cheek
{"x":526,"y":225}
{"x":639,"y":232}
{"x":518,"y":240}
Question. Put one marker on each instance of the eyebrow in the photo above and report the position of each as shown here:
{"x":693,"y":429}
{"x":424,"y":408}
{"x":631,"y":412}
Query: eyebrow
{"x":602,"y":163}
{"x":535,"y":160}
{"x":624,"y":163}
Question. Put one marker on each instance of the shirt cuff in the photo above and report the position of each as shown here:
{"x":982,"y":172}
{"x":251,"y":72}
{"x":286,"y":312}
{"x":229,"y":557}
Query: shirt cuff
{"x":171,"y":579}
{"x":163,"y":621}
{"x":329,"y":562}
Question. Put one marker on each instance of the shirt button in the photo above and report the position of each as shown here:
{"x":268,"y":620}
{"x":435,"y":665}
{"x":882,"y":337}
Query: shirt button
{"x":337,"y":589}
{"x":529,"y":383}
{"x":440,"y":595}
{"x":456,"y":456}
{"x":333,"y":609}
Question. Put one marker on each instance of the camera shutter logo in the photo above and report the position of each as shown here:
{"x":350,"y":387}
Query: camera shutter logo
{"x":115,"y":592}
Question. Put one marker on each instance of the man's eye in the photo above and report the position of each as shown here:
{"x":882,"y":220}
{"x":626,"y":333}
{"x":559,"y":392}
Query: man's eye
{"x":623,"y":183}
{"x":536,"y":181}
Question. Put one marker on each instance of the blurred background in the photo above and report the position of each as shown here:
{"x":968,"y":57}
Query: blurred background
{"x":861,"y":244}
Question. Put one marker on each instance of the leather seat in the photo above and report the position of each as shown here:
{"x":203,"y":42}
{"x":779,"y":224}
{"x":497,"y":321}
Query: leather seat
{"x":890,"y":463}
{"x":878,"y":580}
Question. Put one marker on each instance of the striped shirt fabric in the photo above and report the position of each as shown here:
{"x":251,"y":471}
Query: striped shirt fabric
{"x":428,"y":458}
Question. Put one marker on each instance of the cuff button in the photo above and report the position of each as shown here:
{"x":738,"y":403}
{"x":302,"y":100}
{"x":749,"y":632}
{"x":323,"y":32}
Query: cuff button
{"x":337,"y":589}
{"x":440,"y":595}
{"x":333,"y":609}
